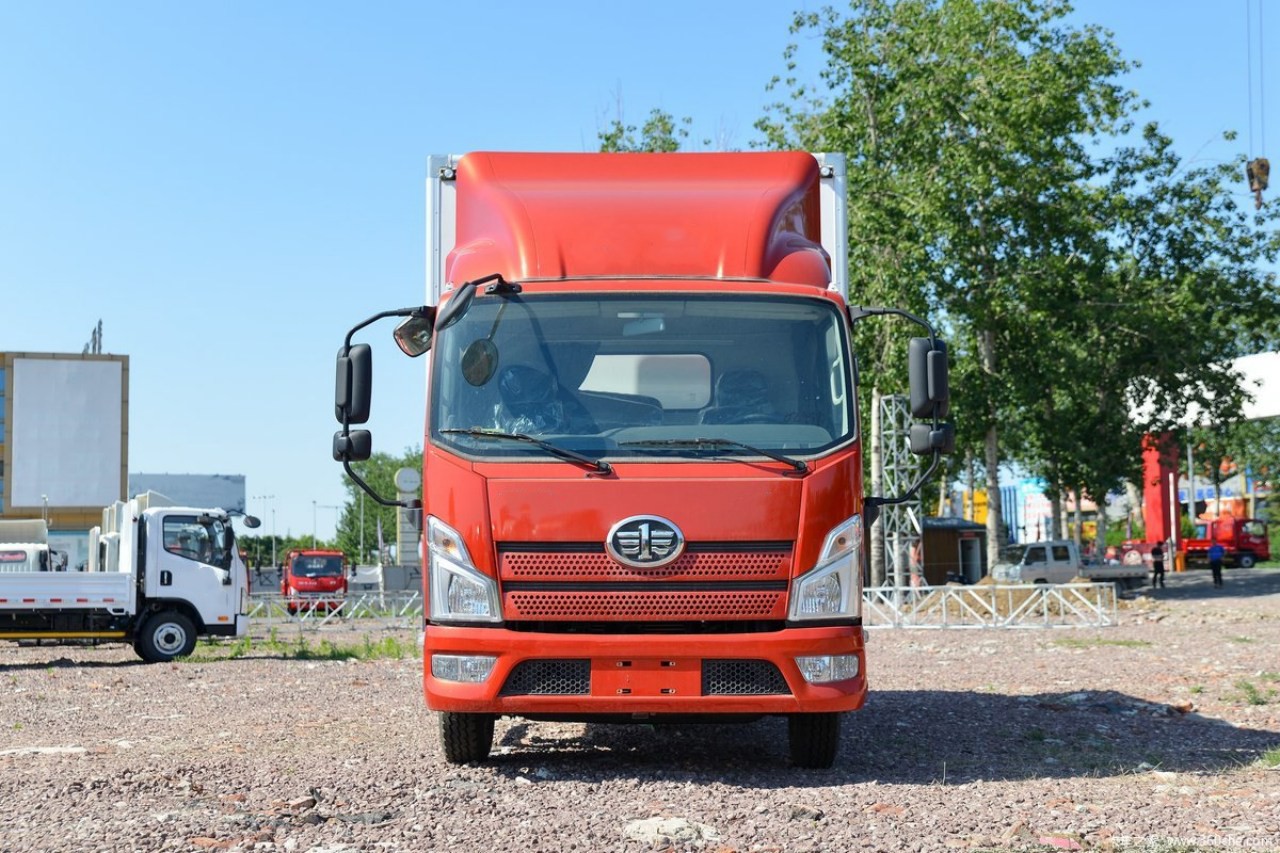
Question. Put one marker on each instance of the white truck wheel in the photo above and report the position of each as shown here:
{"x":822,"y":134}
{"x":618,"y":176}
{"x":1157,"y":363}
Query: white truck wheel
{"x":165,"y":636}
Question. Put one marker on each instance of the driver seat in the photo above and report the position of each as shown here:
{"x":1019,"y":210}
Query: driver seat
{"x":742,"y":395}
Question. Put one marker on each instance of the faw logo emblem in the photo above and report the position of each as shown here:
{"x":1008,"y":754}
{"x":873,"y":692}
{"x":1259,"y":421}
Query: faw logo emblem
{"x":645,"y":541}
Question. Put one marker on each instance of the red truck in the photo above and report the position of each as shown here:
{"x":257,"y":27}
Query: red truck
{"x":643,"y":468}
{"x":1245,"y":540}
{"x":314,"y":580}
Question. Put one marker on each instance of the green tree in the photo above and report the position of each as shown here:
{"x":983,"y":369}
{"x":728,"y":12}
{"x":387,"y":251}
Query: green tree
{"x":660,"y":133}
{"x":1173,"y":289}
{"x":966,"y":125}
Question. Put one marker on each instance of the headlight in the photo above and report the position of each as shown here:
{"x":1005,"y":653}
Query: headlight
{"x":459,"y":591}
{"x":833,"y":589}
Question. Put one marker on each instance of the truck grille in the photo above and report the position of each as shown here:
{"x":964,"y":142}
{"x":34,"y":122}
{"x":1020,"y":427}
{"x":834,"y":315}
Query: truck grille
{"x":647,"y":606}
{"x":573,"y":678}
{"x":519,"y":561}
{"x":580,"y":582}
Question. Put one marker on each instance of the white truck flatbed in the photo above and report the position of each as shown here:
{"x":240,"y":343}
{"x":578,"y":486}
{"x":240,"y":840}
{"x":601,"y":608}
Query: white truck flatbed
{"x":68,"y":591}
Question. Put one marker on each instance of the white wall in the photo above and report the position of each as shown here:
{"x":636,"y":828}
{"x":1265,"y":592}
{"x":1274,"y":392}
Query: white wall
{"x":66,"y":432}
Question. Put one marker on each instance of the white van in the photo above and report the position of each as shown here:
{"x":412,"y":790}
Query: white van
{"x":1054,"y":561}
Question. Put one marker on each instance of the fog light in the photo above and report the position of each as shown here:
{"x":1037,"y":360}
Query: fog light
{"x":821,"y":669}
{"x":471,"y":669}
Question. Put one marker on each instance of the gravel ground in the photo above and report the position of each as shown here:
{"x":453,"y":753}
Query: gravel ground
{"x":1143,"y":736}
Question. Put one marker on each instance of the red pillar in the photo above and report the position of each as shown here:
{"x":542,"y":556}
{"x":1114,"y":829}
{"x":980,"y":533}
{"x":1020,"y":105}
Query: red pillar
{"x":1159,"y":485}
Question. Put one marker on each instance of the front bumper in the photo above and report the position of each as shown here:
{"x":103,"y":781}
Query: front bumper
{"x":644,"y":674}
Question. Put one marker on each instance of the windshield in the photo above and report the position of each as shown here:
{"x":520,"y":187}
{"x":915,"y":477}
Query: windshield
{"x":204,"y":539}
{"x":637,"y":376}
{"x":318,"y":567}
{"x":1012,"y":554}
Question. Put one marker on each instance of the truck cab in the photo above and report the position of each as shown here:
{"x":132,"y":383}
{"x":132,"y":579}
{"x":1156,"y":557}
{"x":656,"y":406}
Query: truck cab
{"x":1245,"y":541}
{"x":642,"y":470}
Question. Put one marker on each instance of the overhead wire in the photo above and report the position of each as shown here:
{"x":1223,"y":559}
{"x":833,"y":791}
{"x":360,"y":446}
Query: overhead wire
{"x":1248,"y":46}
{"x":1257,"y":169}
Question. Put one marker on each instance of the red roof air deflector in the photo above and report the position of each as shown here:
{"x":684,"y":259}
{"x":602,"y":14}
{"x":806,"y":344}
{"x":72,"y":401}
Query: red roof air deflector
{"x":552,"y":216}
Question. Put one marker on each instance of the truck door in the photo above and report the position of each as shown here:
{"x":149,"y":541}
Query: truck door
{"x":194,"y":565}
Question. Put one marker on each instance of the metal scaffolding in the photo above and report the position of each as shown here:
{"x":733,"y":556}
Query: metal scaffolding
{"x":900,"y":523}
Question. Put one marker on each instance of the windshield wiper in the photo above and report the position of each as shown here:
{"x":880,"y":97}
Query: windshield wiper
{"x":555,"y":450}
{"x":723,"y":443}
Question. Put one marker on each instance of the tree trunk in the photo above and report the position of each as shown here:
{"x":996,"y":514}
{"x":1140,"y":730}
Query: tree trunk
{"x":1055,"y":515}
{"x":995,"y":520}
{"x":1137,"y":498}
{"x":876,"y":531}
{"x":1077,"y":518}
{"x":969,"y":505}
{"x":1100,"y":541}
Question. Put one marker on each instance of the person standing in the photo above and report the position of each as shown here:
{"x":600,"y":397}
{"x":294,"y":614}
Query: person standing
{"x":1216,"y":553}
{"x":1157,"y":566}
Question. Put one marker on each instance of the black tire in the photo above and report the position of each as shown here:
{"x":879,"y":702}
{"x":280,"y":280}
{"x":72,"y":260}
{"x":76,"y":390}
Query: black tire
{"x":814,"y":739}
{"x":1247,"y":561}
{"x":466,"y":737}
{"x":165,"y":636}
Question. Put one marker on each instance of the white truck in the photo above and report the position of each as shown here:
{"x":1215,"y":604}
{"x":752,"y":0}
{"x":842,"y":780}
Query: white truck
{"x":158,"y":576}
{"x":1059,"y":561}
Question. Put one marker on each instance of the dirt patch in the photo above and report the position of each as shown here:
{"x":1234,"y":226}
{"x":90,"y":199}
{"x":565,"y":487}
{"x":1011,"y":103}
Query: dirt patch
{"x":1150,"y":735}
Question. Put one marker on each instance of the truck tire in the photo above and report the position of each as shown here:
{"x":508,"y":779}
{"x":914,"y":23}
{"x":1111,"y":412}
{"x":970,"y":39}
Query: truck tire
{"x":814,"y":739}
{"x":1246,"y":560}
{"x":466,"y":737}
{"x":165,"y":636}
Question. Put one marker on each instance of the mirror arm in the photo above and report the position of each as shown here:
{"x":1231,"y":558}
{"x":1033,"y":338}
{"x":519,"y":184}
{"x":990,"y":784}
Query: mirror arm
{"x":415,"y":311}
{"x":410,"y":504}
{"x":872,"y":504}
{"x":858,"y":312}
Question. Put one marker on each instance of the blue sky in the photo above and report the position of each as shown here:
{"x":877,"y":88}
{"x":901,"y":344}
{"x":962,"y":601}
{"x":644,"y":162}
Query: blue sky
{"x":229,"y":186}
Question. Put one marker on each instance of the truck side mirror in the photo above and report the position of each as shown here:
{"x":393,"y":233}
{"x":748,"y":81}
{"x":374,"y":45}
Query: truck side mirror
{"x":927,"y":371}
{"x":352,"y":446}
{"x":354,"y":386}
{"x":925,"y":438}
{"x":414,"y":333}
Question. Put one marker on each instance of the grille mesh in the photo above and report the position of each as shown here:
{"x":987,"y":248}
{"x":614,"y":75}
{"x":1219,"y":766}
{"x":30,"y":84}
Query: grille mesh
{"x":549,"y":678}
{"x":742,"y":678}
{"x":568,"y":564}
{"x":589,"y":605}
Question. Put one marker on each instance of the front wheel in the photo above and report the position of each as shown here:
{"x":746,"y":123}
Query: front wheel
{"x":165,"y":636}
{"x":1247,"y":561}
{"x":814,"y":739}
{"x":466,"y":737}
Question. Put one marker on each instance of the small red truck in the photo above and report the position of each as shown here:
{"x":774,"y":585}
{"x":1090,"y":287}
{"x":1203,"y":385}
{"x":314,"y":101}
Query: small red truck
{"x":314,"y":580}
{"x":1245,"y":540}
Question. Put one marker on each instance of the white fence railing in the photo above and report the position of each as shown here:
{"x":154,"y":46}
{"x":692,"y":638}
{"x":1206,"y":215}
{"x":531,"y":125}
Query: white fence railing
{"x":394,"y":609}
{"x":1070,"y":605}
{"x":1073,"y":605}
